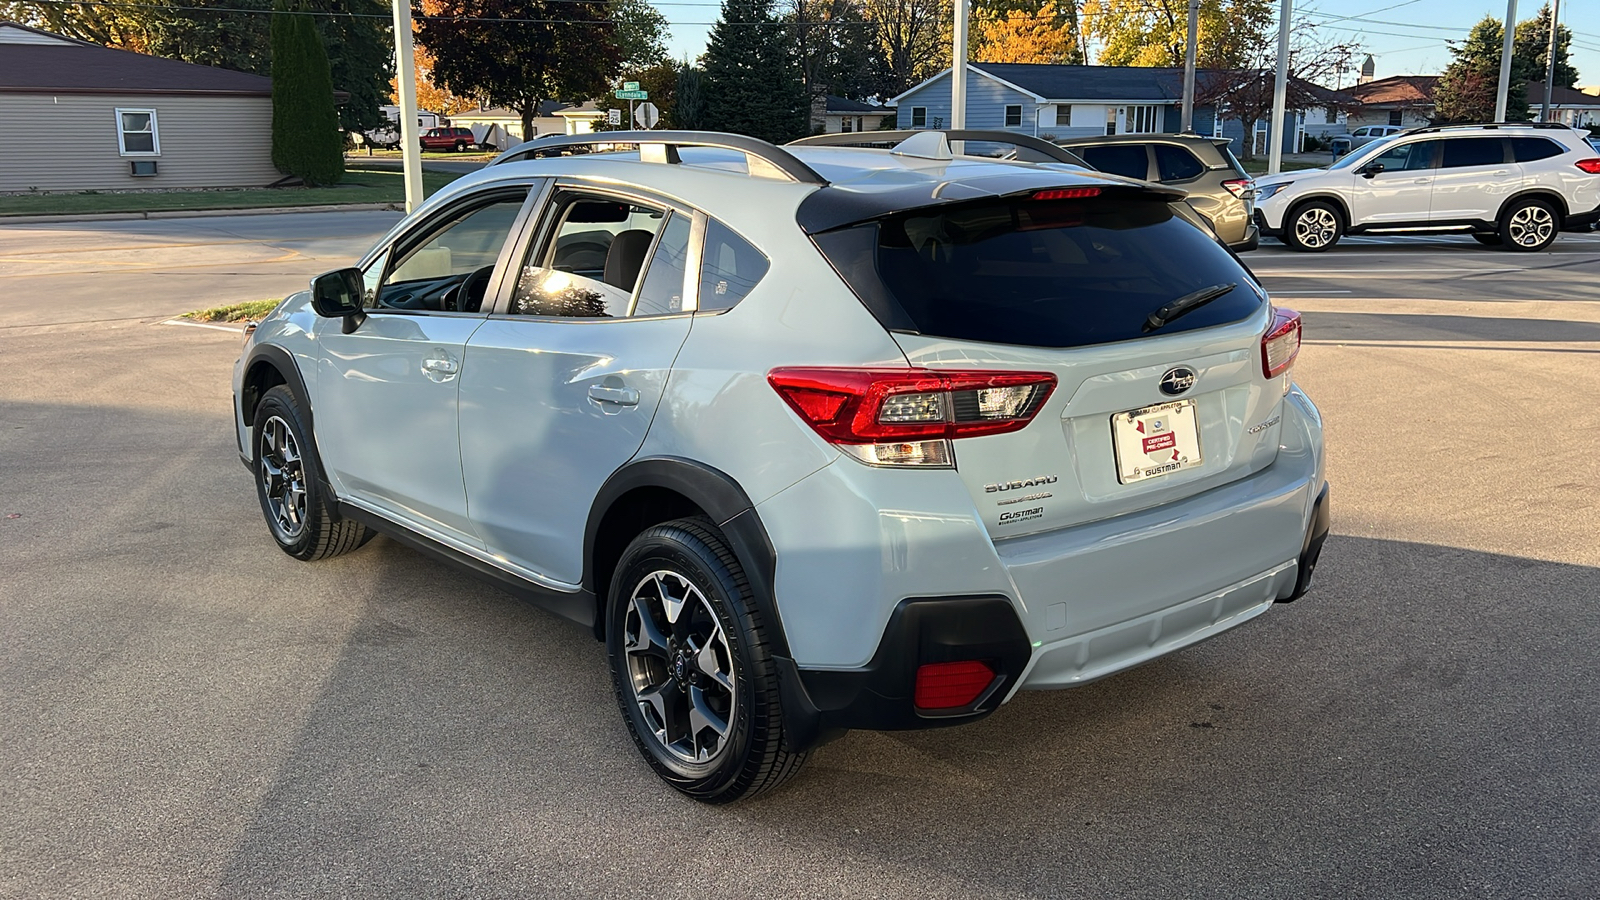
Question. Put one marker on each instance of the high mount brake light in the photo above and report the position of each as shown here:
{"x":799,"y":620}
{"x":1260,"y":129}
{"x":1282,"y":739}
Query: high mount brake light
{"x":1077,"y":193}
{"x":908,"y":416}
{"x":1281,"y":344}
{"x":1592,"y":166}
{"x":1239,"y":186}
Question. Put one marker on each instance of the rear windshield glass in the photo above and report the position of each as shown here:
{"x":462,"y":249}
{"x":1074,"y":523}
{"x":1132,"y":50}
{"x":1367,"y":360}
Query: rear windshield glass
{"x":1053,"y":273}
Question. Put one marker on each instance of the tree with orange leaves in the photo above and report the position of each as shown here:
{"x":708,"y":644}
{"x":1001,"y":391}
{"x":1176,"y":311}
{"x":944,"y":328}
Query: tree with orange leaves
{"x":1020,"y":35}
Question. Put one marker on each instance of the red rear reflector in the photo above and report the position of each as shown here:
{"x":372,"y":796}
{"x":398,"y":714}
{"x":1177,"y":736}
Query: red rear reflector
{"x":1592,"y":166}
{"x":1239,"y":186}
{"x":871,"y":406}
{"x":1077,"y":193}
{"x":1281,"y":344}
{"x":952,"y":685}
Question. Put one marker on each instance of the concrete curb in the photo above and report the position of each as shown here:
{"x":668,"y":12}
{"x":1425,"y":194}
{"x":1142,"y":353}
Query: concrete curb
{"x":199,"y":213}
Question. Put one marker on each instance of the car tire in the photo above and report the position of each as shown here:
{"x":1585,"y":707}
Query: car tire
{"x":1529,"y":226}
{"x":698,"y":690}
{"x":1314,"y":227}
{"x":1488,"y":238}
{"x":289,"y":486}
{"x":461,"y":146}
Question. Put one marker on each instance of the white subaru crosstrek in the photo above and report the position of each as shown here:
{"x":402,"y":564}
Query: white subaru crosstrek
{"x":1516,"y":186}
{"x":815,"y":440}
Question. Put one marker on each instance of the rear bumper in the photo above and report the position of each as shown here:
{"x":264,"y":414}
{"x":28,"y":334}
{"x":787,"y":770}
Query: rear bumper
{"x":1581,"y":221}
{"x":1050,"y":610}
{"x":1251,"y":240}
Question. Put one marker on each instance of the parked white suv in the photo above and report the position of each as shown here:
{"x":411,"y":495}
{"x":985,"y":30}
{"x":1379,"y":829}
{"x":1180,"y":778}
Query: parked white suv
{"x":814,"y":440}
{"x":1511,"y":185}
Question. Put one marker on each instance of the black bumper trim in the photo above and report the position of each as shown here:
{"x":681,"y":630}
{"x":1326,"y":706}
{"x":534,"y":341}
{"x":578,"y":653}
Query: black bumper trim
{"x":820,"y":704}
{"x":1311,"y":550}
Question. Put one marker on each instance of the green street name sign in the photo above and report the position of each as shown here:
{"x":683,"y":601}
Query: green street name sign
{"x":630,"y":85}
{"x":633,"y":95}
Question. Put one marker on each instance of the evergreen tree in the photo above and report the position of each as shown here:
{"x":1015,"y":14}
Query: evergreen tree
{"x":690,"y":109}
{"x":360,"y":57}
{"x":305,"y":130}
{"x":1466,"y":91}
{"x":1529,"y":55}
{"x":752,"y":84}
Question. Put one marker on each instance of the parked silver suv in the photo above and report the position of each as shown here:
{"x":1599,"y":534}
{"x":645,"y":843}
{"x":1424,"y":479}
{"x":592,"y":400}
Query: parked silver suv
{"x":815,"y":440}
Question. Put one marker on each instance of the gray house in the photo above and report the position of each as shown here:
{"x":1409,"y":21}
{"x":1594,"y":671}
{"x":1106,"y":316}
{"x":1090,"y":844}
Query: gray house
{"x":84,"y":117}
{"x":1054,"y":101}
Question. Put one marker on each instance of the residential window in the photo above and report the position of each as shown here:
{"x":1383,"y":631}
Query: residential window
{"x":1014,"y":115}
{"x":136,"y":133}
{"x":1396,"y":117}
{"x":1142,"y":119}
{"x":1064,"y":114}
{"x":1331,"y":116}
{"x":919,"y":117}
{"x":847,"y":124}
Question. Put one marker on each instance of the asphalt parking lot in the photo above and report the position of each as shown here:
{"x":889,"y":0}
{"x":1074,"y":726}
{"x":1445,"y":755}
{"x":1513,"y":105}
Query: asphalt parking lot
{"x":187,"y":712}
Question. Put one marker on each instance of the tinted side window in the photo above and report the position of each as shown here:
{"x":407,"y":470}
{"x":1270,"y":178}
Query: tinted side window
{"x":1529,"y":149}
{"x":1119,"y":159}
{"x":662,"y":291}
{"x":1177,"y":164}
{"x":1407,"y":157}
{"x":590,"y":263}
{"x":729,"y":268}
{"x":1459,"y":152}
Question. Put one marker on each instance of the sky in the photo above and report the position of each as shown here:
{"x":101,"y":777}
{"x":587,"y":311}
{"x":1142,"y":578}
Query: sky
{"x":1404,"y":38}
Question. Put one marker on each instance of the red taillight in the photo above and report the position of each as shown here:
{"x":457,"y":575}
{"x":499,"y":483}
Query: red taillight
{"x":952,"y":685}
{"x":1240,"y":186}
{"x":865,"y":406}
{"x":1281,"y":344}
{"x":1077,"y":193}
{"x":1592,"y":166}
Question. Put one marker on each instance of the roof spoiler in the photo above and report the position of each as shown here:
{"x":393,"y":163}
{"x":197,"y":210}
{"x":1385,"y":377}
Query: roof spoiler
{"x":762,"y":158}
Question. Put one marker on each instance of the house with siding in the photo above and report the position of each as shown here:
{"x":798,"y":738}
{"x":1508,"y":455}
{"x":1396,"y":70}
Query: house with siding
{"x":1059,"y":101}
{"x":1567,"y":106}
{"x":1403,"y":100}
{"x":84,"y":117}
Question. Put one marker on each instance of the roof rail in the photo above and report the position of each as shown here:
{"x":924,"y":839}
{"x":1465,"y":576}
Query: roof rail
{"x":662,"y":147}
{"x":1429,"y":129}
{"x":1053,"y":152}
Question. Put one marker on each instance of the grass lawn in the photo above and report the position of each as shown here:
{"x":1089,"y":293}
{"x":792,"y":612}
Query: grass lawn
{"x":359,"y":186}
{"x":248,"y":311}
{"x":1259,"y":166}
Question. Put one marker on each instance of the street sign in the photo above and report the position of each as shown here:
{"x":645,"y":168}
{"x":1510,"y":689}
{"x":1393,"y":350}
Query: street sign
{"x":647,"y":115}
{"x":633,"y":95}
{"x":613,"y":117}
{"x":630,"y":85}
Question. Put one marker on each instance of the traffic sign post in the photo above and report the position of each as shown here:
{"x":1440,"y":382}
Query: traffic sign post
{"x":613,"y":117}
{"x":632,"y":95}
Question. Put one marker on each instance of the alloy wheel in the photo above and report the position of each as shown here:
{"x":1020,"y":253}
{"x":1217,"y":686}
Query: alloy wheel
{"x":680,"y":667}
{"x":1316,"y":227}
{"x":1531,"y":226}
{"x":283,"y":478}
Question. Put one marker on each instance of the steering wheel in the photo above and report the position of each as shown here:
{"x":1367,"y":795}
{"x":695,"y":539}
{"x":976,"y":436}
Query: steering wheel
{"x":468,"y":295}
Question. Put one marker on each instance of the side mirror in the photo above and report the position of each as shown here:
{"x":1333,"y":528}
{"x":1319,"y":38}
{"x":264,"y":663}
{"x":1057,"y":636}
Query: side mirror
{"x":1371,"y":169}
{"x":337,"y":295}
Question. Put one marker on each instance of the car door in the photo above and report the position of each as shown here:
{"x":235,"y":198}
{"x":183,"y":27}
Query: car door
{"x":1399,"y":192}
{"x":566,"y":376}
{"x":386,"y":391}
{"x":1475,"y":175}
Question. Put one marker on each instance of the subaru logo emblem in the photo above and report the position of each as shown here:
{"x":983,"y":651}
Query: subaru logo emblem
{"x":1178,"y":380}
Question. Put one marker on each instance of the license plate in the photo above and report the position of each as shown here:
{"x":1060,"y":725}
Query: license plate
{"x":1156,"y":440}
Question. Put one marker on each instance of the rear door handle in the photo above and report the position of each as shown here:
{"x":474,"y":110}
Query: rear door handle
{"x":439,"y":366}
{"x":621,"y":396}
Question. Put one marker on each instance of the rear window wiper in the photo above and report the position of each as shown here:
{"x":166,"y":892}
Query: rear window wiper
{"x":1187,"y":303}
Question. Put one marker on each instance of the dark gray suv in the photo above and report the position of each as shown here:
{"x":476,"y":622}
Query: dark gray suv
{"x":1219,"y":188}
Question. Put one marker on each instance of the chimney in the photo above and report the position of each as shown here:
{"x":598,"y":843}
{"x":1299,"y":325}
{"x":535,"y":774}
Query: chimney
{"x":1368,"y":68}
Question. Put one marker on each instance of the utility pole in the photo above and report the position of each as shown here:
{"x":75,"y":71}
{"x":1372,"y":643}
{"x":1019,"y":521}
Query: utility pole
{"x":1504,"y":96}
{"x":1188,"y":68}
{"x":405,"y":70}
{"x":1550,"y":61}
{"x":958,"y":68}
{"x":1280,"y":92}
